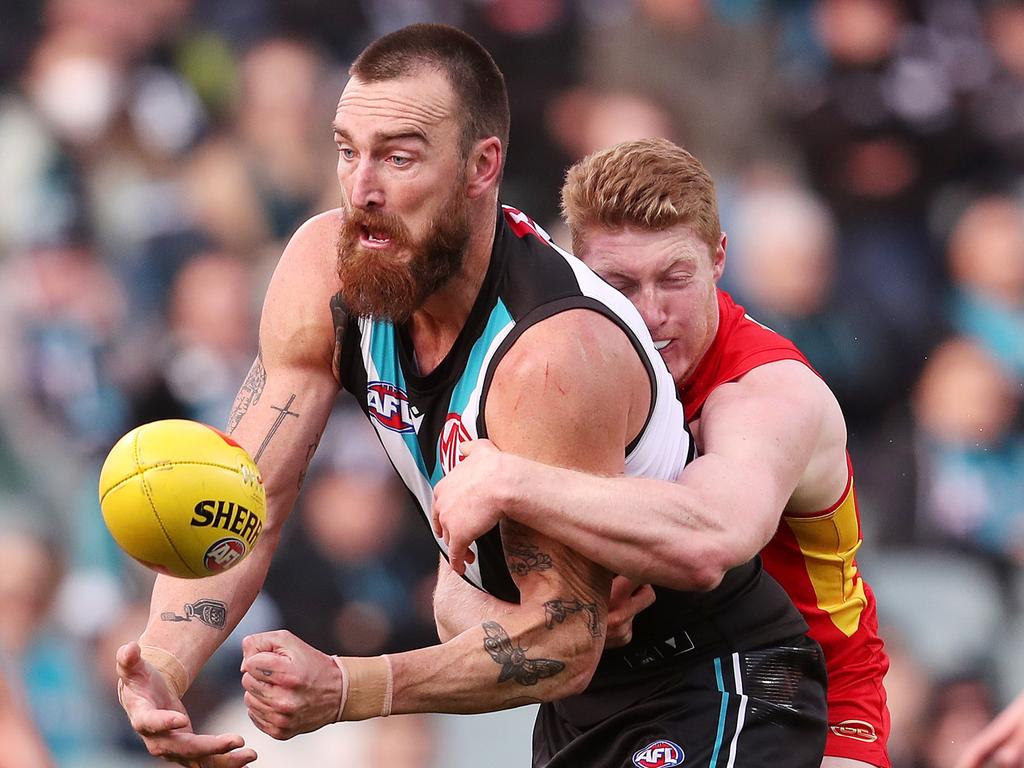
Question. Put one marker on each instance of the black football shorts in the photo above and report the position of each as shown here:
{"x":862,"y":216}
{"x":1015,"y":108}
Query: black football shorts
{"x":763,"y":708}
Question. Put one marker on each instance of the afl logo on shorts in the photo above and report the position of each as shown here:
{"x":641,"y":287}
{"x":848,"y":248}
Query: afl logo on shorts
{"x":659,"y":754}
{"x":389,"y":405}
{"x":453,"y":434}
{"x":855,"y":729}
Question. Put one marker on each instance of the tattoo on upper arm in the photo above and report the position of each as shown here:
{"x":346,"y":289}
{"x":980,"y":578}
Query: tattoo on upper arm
{"x":310,"y":450}
{"x":514,"y":664}
{"x":556,"y":612}
{"x":524,"y":558}
{"x":211,"y":612}
{"x":521,"y":555}
{"x":283,"y":412}
{"x":249,"y":394}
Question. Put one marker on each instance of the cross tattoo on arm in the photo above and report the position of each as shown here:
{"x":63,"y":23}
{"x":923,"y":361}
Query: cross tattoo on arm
{"x":283,"y":413}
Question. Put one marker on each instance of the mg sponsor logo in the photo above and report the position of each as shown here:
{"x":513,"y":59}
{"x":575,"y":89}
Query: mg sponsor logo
{"x":659,"y":754}
{"x":389,"y":405}
{"x":453,"y":434}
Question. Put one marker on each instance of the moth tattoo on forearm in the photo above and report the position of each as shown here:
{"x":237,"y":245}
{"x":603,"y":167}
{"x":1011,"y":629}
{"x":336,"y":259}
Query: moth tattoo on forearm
{"x":513,"y":661}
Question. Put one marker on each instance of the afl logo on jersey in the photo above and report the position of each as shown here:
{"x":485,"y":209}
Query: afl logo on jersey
{"x":659,"y":754}
{"x":389,"y":405}
{"x":453,"y":434}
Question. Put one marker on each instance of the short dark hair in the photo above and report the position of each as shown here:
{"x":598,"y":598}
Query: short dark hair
{"x":474,"y":77}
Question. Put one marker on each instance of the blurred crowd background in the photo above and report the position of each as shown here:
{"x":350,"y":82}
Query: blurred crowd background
{"x":156,"y":155}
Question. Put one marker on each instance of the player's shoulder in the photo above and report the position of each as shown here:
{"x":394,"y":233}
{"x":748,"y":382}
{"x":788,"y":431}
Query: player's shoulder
{"x":297,"y":318}
{"x":577,"y":351}
{"x":315,"y":241}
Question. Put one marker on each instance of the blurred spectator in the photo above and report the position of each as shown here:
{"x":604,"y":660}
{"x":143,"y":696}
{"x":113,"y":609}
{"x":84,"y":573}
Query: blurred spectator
{"x":355,"y":575}
{"x":536,"y":44}
{"x":23,"y":747}
{"x":986,"y":262}
{"x":958,"y":709}
{"x":683,"y":55}
{"x":876,"y":126}
{"x":210,"y":342}
{"x":996,"y":107}
{"x":261,"y":180}
{"x":62,"y":309}
{"x":907,"y":690}
{"x":785,"y":271}
{"x":51,"y":669}
{"x":970,"y":453}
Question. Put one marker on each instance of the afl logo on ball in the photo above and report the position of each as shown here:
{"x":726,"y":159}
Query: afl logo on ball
{"x":659,"y":754}
{"x":389,"y":405}
{"x":453,"y":434}
{"x":223,"y":553}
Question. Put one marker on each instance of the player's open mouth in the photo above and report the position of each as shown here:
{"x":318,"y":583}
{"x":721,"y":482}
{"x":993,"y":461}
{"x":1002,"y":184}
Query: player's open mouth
{"x":374,"y":239}
{"x":660,"y":345}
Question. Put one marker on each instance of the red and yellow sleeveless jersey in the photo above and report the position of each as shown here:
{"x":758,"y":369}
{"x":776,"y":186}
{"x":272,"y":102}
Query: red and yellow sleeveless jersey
{"x":813,"y":557}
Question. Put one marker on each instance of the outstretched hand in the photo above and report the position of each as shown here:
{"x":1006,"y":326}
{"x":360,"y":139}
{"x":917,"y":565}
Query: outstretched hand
{"x":159,"y":717}
{"x":467,"y":501}
{"x":1001,"y":743}
{"x":290,"y":686}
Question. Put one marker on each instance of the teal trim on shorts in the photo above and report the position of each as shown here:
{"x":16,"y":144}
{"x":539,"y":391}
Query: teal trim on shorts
{"x":721,"y":714}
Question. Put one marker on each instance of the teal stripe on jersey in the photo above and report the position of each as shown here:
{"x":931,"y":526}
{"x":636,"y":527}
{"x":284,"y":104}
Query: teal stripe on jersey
{"x":722,"y":712}
{"x":384,"y":353}
{"x":472,"y":378}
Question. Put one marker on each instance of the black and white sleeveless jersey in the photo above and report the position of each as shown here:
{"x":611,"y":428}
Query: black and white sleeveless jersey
{"x":422,"y":419}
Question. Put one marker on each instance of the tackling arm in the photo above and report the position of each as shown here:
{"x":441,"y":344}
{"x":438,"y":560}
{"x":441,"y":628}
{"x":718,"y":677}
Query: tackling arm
{"x":760,"y":435}
{"x":548,"y":400}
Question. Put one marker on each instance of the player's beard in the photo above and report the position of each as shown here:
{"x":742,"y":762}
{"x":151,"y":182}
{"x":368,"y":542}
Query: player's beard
{"x":392,"y":284}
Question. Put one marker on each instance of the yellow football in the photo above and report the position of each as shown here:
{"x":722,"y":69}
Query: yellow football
{"x":182,"y":498}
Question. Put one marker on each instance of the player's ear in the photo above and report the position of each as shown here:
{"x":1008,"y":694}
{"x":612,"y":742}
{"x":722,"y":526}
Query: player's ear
{"x":718,"y":258}
{"x":484,"y":166}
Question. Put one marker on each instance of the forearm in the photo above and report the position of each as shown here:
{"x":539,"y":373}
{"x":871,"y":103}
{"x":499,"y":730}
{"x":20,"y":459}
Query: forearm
{"x":459,"y":606}
{"x":503,"y":662}
{"x":190,"y":618}
{"x":652,"y":531}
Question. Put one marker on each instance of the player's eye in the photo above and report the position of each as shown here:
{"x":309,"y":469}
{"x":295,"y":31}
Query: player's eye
{"x":346,"y":152}
{"x":399,"y":161}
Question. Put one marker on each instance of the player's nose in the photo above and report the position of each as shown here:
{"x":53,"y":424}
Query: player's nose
{"x":366,"y":190}
{"x":651,"y":308}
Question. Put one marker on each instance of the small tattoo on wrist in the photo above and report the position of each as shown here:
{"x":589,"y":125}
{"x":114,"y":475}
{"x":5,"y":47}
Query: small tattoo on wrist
{"x":213,"y":613}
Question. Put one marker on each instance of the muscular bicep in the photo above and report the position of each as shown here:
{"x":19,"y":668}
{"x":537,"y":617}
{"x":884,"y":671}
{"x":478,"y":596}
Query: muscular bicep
{"x":552,"y":400}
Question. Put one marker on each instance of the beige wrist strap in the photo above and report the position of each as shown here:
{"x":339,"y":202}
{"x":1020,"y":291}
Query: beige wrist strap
{"x":367,"y":687}
{"x":169,"y":666}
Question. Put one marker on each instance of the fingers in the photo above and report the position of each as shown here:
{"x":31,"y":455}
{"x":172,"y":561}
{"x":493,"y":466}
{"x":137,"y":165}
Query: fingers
{"x":999,"y":741}
{"x":184,"y":745}
{"x":129,"y":661}
{"x":483,"y":445}
{"x":264,"y":665}
{"x":148,"y":721}
{"x":278,"y":641}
